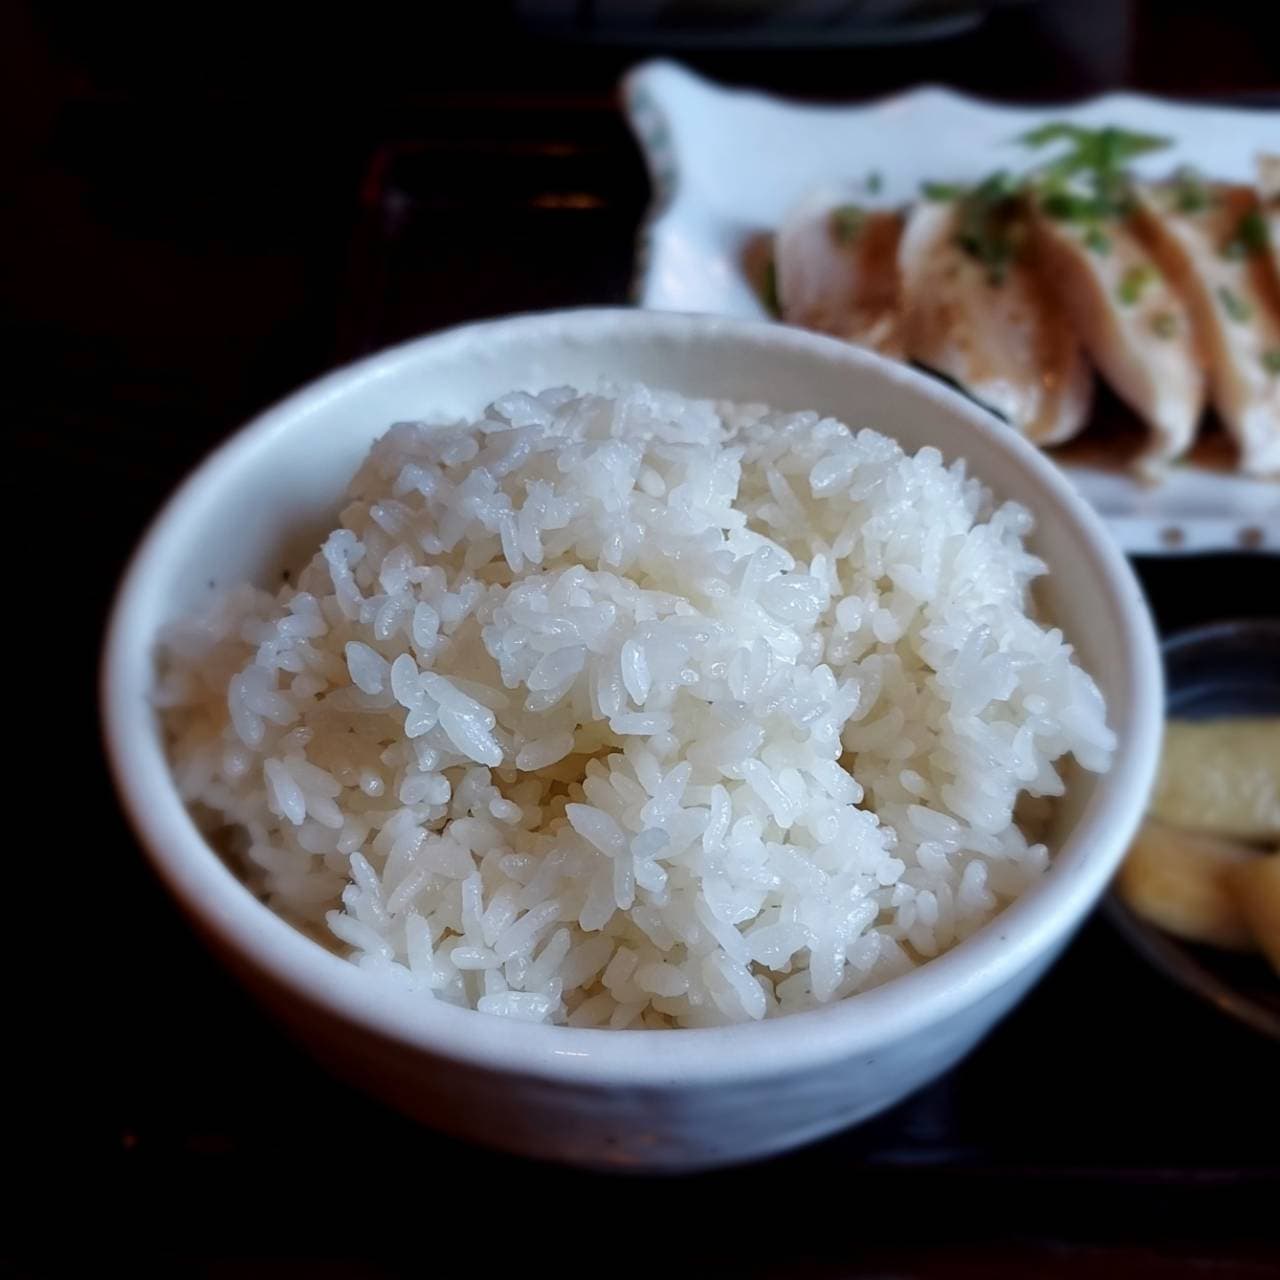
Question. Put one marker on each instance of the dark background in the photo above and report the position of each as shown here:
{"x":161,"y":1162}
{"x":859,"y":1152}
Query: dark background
{"x":207,"y":206}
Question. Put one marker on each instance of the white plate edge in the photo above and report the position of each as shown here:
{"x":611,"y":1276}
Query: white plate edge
{"x":646,"y":91}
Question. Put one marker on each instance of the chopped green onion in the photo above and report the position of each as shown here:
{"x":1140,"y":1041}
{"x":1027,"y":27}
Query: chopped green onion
{"x":1253,"y":231}
{"x":1087,"y":179}
{"x":997,"y":186}
{"x":1235,"y":306}
{"x":988,"y":226}
{"x":846,"y":222}
{"x":1271,"y":360}
{"x":1069,"y":207}
{"x":1164,"y":324}
{"x":1097,"y":240}
{"x":939,"y":190}
{"x":1249,"y":237}
{"x":1056,"y":131}
{"x":1190,"y":195}
{"x":1134,"y":281}
{"x":874,"y":181}
{"x":1107,"y":146}
{"x":1125,"y":143}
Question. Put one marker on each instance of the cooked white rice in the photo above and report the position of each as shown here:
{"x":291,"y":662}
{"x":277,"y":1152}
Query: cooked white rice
{"x":630,"y":710}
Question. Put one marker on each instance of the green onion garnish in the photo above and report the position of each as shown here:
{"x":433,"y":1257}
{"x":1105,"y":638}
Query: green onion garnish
{"x":846,"y":222}
{"x":1066,"y":206}
{"x":1190,"y":195}
{"x":1253,"y":231}
{"x":988,"y":226}
{"x":1235,"y":306}
{"x":1098,"y":241}
{"x":1249,"y":237}
{"x":1093,"y":147}
{"x":1087,"y":178}
{"x":1134,"y":281}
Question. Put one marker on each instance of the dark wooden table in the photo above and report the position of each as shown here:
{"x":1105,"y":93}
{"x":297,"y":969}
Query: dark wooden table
{"x":193,"y":236}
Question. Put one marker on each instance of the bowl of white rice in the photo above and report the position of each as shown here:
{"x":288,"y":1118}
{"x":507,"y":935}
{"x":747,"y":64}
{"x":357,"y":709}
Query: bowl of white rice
{"x":637,"y":740}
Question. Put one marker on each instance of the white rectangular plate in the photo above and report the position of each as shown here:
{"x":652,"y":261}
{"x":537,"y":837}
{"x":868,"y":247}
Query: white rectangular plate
{"x":726,"y":164}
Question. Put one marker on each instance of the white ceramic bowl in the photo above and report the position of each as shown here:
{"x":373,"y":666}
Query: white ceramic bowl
{"x":650,"y":1099}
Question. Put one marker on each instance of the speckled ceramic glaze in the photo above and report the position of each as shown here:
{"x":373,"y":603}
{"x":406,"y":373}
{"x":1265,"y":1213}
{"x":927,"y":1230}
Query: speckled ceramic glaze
{"x":673,"y":1100}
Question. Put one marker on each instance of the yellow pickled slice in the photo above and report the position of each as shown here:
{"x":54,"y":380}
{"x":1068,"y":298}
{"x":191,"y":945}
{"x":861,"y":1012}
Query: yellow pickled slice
{"x":1221,"y":776}
{"x":1256,"y":888}
{"x":1178,"y":880}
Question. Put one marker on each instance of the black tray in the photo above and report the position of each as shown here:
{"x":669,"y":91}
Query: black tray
{"x":1110,"y":1107}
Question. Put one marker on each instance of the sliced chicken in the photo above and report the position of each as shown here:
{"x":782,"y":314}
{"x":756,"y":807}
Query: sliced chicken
{"x":837,"y":271}
{"x":1001,"y":339}
{"x":1134,"y":325}
{"x":1269,"y":193}
{"x":1216,"y":255}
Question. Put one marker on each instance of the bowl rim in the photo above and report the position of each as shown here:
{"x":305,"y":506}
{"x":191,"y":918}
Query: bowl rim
{"x":226,"y":911}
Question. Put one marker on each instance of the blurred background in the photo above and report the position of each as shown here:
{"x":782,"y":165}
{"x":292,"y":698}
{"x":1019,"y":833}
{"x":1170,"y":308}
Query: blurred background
{"x":208,"y":205}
